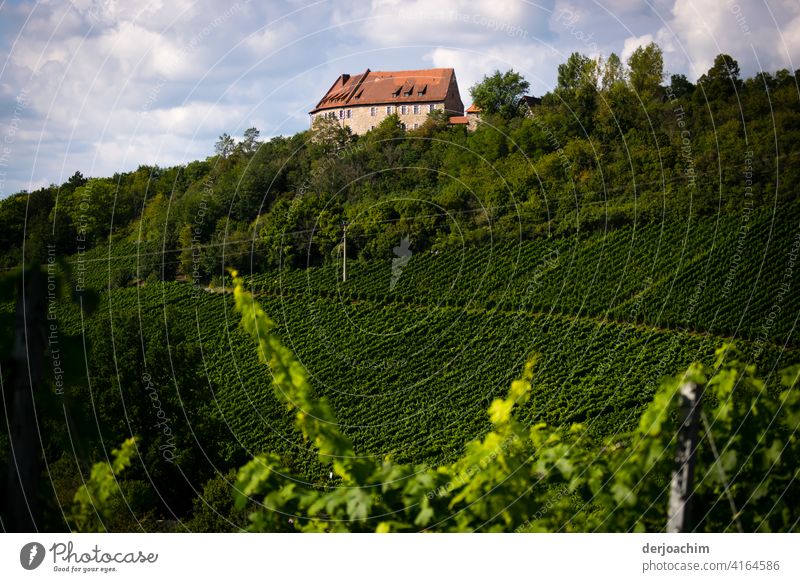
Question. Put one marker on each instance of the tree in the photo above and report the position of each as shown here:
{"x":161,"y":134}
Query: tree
{"x":89,"y":210}
{"x":579,"y":72}
{"x":436,"y":121}
{"x":646,"y":66}
{"x":577,"y":89}
{"x":329,"y":134}
{"x":500,"y":93}
{"x":722,"y":79}
{"x":224,"y":147}
{"x":613,"y":72}
{"x":76,"y":180}
{"x":680,"y":86}
{"x":250,"y":142}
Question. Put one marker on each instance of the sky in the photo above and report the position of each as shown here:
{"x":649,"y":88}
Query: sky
{"x":104,"y":86}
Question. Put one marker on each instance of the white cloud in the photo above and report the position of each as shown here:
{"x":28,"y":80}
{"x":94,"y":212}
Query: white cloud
{"x":472,"y":65}
{"x":451,"y":22}
{"x":745,"y":29}
{"x":631,"y":44}
{"x":200,"y":67}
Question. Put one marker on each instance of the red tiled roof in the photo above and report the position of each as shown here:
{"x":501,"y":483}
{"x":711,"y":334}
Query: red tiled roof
{"x":473,"y":109}
{"x":459,"y":120}
{"x":387,"y":87}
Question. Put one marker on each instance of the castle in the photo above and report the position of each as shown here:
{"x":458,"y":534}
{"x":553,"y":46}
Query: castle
{"x":362,"y":101}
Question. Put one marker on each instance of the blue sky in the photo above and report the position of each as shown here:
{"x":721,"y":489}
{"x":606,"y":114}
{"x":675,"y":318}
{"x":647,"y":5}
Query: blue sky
{"x":103,"y":86}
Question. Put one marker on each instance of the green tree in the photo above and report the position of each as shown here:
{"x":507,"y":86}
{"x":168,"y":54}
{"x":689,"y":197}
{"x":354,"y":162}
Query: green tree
{"x":88,"y":210}
{"x":680,"y":86}
{"x":500,"y":93}
{"x":613,"y":72}
{"x":579,"y":72}
{"x":722,"y":79}
{"x":250,"y":141}
{"x":646,"y":66}
{"x":576,"y":92}
{"x":330,"y":135}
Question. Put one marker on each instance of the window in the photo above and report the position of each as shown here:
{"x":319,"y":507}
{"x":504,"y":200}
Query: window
{"x":372,"y":127}
{"x":416,"y":126}
{"x":373,"y":111}
{"x":388,"y":110}
{"x":341,"y":114}
{"x":416,"y":109}
{"x":431,"y":107}
{"x":407,"y":94}
{"x":403,"y":109}
{"x":349,"y":113}
{"x":420,"y":93}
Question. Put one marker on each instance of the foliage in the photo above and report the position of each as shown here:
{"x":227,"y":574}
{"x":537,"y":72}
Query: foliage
{"x":91,"y":507}
{"x":629,"y":273}
{"x":500,"y":93}
{"x":722,"y":79}
{"x":646,"y":65}
{"x":516,"y":477}
{"x":224,"y":146}
{"x":636,"y":128}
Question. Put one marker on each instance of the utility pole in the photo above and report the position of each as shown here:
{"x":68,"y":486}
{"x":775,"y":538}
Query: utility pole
{"x":682,"y":485}
{"x":344,"y":253}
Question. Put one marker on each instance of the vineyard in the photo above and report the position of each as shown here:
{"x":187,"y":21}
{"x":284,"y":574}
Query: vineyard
{"x":721,"y":274}
{"x":410,"y":370}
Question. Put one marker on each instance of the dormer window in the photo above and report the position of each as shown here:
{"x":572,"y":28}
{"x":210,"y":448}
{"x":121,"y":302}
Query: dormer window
{"x":407,"y":94}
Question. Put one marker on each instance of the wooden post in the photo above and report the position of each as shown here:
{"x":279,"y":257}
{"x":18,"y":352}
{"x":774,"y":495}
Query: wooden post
{"x":682,"y":485}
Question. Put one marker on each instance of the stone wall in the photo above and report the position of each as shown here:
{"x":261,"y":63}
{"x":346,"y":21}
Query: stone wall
{"x":360,"y":119}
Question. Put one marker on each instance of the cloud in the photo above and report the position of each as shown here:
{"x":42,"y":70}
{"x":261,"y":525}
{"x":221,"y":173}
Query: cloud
{"x":632,"y":43}
{"x":472,"y":65}
{"x":111,"y":83}
{"x":757,"y":34}
{"x":451,"y":22}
